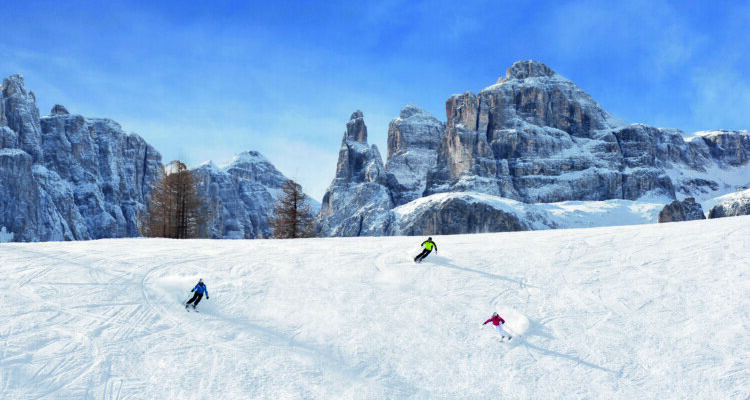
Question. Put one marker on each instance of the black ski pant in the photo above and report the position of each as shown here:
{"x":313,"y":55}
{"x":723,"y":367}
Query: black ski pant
{"x":196,"y":298}
{"x":422,"y":255}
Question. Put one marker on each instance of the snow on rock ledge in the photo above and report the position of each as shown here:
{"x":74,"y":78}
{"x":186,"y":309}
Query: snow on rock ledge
{"x":457,"y":213}
{"x":732,"y":205}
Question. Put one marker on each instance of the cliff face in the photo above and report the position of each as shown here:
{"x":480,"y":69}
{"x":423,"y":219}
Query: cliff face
{"x":66,"y":177}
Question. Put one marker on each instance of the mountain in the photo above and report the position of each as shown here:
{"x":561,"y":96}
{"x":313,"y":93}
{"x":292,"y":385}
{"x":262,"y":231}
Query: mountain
{"x":242,"y":194}
{"x":67,"y":177}
{"x":537,"y":137}
{"x":534,"y":137}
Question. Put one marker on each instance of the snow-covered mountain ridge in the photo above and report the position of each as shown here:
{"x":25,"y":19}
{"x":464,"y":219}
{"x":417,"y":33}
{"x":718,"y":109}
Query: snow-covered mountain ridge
{"x":534,"y":137}
{"x":646,"y":311}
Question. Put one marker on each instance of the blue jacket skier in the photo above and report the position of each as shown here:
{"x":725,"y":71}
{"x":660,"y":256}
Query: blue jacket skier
{"x":199,"y":290}
{"x":428,"y":246}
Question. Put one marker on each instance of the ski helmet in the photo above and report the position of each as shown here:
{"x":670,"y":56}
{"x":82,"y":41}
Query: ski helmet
{"x":200,"y":280}
{"x":429,"y":238}
{"x":494,"y":314}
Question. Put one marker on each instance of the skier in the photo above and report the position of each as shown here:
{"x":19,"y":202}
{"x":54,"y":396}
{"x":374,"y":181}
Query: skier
{"x":428,"y":246}
{"x":199,"y":289}
{"x":498,"y":322}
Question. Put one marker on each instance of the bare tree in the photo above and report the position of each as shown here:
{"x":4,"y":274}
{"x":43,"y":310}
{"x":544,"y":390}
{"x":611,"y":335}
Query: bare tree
{"x":292,"y":217}
{"x":175,"y":208}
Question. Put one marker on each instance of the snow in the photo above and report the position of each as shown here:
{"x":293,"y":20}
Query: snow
{"x":5,"y":236}
{"x":246,"y":157}
{"x":737,"y":196}
{"x":646,"y":311}
{"x":566,"y":214}
{"x":585,"y":214}
{"x":712,"y":133}
{"x":730,"y":179}
{"x":11,"y":152}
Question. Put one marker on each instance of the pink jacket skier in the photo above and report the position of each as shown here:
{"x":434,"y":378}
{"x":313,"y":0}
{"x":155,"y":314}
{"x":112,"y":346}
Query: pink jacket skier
{"x":498,"y":322}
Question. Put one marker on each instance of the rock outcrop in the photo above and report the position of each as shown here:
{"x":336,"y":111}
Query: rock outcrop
{"x":732,"y":205}
{"x":67,"y":177}
{"x":686,"y":210}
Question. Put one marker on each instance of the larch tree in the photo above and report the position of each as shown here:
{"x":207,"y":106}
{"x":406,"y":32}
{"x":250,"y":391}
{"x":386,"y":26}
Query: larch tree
{"x":175,"y":208}
{"x":293,"y":217}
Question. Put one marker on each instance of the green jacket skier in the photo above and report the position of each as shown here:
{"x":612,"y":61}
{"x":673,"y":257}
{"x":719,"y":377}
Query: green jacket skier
{"x":428,"y":246}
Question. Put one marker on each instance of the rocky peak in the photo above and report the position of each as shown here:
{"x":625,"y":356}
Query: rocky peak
{"x":248,"y":157}
{"x":18,"y":112}
{"x":355,"y":129}
{"x":414,"y":127}
{"x":13,"y":84}
{"x":413,"y":139}
{"x":528,"y":69}
{"x":358,"y":162}
{"x":59,"y":110}
{"x":253,"y":166}
{"x":411,"y":110}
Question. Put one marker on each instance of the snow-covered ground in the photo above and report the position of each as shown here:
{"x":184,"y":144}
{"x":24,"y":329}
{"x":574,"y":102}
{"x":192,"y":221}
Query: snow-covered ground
{"x":630,"y":312}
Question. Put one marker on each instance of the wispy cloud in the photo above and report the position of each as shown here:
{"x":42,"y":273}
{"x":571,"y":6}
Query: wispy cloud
{"x":722,"y":96}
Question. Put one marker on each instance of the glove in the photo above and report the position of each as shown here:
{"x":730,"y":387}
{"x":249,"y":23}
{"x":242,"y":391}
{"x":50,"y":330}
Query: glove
{"x":207,"y":297}
{"x":192,"y":291}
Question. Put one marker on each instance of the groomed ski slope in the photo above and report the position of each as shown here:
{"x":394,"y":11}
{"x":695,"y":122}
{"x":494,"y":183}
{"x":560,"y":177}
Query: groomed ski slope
{"x":635,"y":312}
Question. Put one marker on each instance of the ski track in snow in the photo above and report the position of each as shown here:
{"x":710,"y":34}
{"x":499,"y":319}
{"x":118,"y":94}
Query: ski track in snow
{"x":620,"y":312}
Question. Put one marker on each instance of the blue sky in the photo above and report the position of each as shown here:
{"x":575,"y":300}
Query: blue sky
{"x":206,"y":80}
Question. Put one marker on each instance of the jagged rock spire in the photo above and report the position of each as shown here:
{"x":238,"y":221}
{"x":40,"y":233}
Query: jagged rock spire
{"x":356,"y":130}
{"x":354,"y":203}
